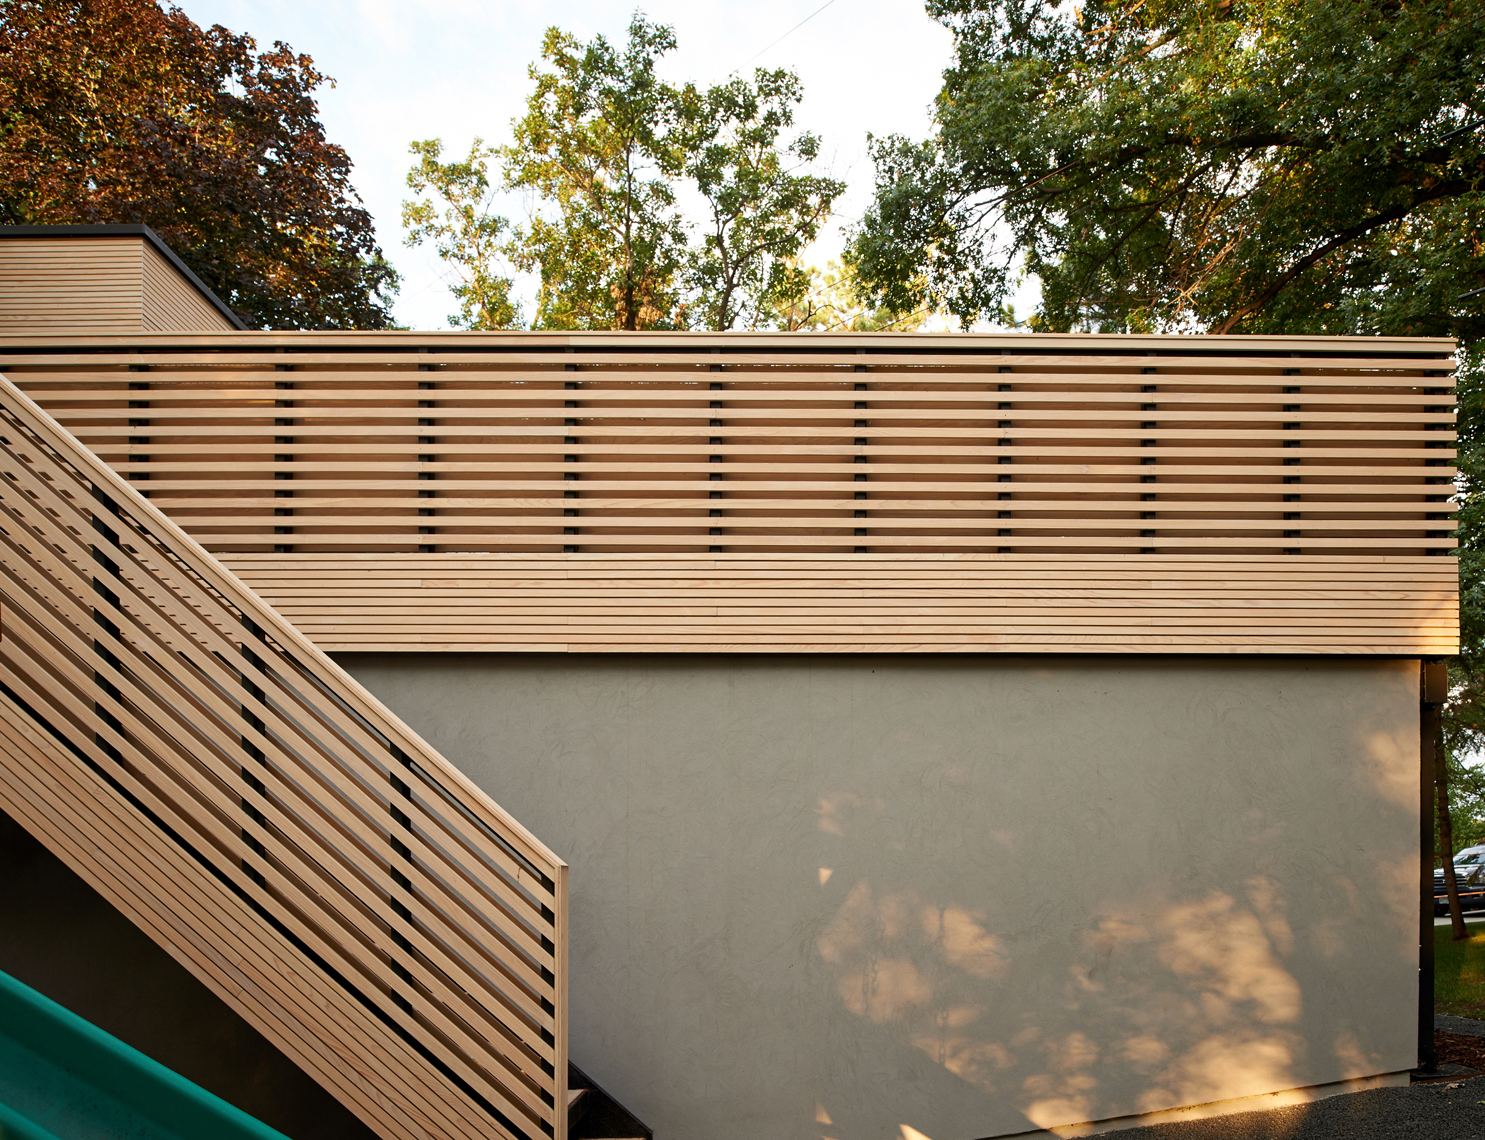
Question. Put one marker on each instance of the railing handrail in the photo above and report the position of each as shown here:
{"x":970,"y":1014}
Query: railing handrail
{"x":373,"y":872}
{"x":204,"y":563}
{"x":684,"y":445}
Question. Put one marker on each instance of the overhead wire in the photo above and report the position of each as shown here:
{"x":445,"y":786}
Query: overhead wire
{"x":783,"y":37}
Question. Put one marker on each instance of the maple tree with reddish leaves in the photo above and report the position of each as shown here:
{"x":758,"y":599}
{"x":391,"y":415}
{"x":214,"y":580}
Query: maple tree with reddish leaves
{"x":126,"y":112}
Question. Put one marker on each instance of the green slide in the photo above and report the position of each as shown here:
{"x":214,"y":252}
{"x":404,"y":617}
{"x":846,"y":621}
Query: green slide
{"x":63,"y":1078}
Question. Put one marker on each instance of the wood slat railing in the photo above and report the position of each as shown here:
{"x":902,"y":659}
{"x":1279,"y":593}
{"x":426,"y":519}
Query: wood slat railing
{"x":247,"y":804}
{"x":806,"y":445}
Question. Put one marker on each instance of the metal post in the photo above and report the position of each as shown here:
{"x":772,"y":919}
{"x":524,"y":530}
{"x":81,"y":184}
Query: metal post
{"x":1433,"y":687}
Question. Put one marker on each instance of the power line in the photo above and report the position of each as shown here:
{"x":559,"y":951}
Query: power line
{"x":785,"y":36}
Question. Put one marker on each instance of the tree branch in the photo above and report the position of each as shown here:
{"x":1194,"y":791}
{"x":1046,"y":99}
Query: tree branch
{"x":1449,"y":189}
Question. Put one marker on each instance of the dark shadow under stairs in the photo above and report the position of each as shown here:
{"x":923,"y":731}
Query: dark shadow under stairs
{"x":592,"y":1114}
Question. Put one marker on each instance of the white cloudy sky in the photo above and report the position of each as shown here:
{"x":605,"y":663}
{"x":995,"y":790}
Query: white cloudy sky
{"x":414,"y":69}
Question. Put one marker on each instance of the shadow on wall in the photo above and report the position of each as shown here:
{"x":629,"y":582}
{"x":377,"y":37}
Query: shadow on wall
{"x":841,"y":897}
{"x":1160,"y":1001}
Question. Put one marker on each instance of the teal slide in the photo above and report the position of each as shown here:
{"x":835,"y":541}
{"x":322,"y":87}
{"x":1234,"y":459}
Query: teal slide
{"x":63,"y":1078}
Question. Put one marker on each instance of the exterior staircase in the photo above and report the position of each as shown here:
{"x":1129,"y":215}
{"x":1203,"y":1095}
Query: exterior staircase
{"x":242,"y":800}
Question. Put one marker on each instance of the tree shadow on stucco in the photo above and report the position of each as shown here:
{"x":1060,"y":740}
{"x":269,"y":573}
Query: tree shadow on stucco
{"x":1189,"y":990}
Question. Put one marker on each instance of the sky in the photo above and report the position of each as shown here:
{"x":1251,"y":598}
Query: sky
{"x":453,"y":69}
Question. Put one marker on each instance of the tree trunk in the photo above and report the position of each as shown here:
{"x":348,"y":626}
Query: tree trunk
{"x":1446,"y":837}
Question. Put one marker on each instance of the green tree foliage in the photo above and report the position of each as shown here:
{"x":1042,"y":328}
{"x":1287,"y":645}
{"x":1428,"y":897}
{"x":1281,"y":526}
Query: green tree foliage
{"x":465,"y":234}
{"x":598,"y":144}
{"x":761,"y":211}
{"x":832,"y":301}
{"x":1227,"y":165}
{"x":605,"y":153}
{"x":126,"y":112}
{"x":1464,"y":714}
{"x":1466,"y":800}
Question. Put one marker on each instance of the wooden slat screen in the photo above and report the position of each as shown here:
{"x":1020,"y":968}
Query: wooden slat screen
{"x":248,"y":805}
{"x":821,"y":445}
{"x":590,"y":603}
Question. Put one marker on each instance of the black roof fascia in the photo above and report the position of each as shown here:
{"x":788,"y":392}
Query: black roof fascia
{"x":134,"y":230}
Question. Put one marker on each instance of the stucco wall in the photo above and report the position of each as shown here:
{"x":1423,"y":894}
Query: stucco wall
{"x":869,"y":897}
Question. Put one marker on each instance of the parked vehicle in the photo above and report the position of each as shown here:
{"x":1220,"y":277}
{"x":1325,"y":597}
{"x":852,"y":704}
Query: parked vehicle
{"x":1470,"y":856}
{"x":1469,"y":874}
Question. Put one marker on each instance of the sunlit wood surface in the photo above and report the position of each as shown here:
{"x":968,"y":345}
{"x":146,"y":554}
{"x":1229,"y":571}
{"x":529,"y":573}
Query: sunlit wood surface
{"x":870,"y":453}
{"x":208,"y":770}
{"x":870,"y":604}
{"x":96,"y":283}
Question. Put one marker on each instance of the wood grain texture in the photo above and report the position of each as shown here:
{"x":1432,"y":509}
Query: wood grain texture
{"x":837,"y":493}
{"x":71,"y":284}
{"x":872,"y":604}
{"x":96,"y":284}
{"x":687,"y":444}
{"x":253,"y":809}
{"x":170,"y":302}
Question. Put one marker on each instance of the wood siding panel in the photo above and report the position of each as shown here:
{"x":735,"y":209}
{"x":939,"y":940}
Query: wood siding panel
{"x":97,"y":284}
{"x":173,"y":304}
{"x":65,"y":283}
{"x":955,"y":604}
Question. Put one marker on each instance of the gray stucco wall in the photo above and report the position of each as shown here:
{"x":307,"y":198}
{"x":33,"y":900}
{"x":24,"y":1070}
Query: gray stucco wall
{"x":869,"y":898}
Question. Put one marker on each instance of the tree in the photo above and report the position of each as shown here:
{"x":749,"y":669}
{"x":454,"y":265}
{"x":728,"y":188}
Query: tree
{"x":466,"y":235}
{"x":832,"y":301}
{"x":605,"y":146}
{"x":1466,"y":782}
{"x":760,"y":210}
{"x":126,"y":112}
{"x":1228,"y":165}
{"x":597,"y":142}
{"x":1464,"y":714}
{"x":1252,"y":166}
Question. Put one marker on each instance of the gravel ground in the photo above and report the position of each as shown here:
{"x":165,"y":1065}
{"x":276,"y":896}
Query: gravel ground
{"x":1453,"y":1110}
{"x":1423,"y":1112}
{"x":1465,"y":1025}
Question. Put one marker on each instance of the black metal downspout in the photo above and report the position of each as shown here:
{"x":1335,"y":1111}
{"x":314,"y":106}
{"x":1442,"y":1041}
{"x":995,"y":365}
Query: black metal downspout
{"x":1433,"y":688}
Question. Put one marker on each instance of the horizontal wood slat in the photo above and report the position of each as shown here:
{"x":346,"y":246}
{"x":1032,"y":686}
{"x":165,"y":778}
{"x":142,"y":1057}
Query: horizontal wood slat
{"x":1404,"y":606}
{"x":833,"y":446}
{"x":243,"y":800}
{"x":71,"y":283}
{"x":170,"y":301}
{"x":98,"y":283}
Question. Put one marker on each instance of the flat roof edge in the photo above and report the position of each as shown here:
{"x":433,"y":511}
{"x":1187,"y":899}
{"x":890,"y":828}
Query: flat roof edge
{"x":132,"y":230}
{"x":454,"y":341}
